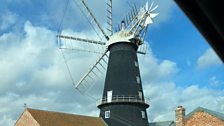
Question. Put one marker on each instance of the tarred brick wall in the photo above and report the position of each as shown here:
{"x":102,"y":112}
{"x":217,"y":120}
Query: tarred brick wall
{"x":26,"y":120}
{"x":203,"y":119}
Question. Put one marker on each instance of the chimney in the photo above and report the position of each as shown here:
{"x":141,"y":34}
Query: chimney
{"x":180,"y":115}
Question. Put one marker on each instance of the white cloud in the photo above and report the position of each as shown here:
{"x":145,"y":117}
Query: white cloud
{"x":208,"y":59}
{"x":153,"y":69}
{"x":32,"y":69}
{"x":166,"y":96}
{"x":165,"y":10}
{"x":214,"y":81}
{"x":27,"y":55}
{"x":6,"y":121}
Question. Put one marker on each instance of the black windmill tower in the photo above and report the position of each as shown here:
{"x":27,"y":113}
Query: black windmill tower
{"x":123,"y":102}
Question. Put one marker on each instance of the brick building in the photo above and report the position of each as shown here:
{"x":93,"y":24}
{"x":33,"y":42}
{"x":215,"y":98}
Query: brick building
{"x":33,"y":117}
{"x":199,"y":117}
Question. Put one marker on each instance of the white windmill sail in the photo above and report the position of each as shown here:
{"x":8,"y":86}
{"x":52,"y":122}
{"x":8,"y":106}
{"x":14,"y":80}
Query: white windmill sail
{"x":138,"y":23}
{"x":129,"y":18}
{"x":109,"y":17}
{"x":69,"y":42}
{"x":134,"y":27}
{"x":66,"y":42}
{"x":142,"y":49}
{"x":97,"y":70}
{"x":94,"y":19}
{"x":151,"y":15}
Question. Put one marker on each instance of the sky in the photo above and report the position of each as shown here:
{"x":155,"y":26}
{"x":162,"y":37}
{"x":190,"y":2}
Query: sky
{"x":180,"y":68}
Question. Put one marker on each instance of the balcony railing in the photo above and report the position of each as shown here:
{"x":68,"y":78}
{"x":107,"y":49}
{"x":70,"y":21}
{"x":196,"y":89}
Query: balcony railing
{"x":120,"y":99}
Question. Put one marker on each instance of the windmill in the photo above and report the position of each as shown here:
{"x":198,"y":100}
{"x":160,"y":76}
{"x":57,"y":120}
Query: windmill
{"x":123,"y":102}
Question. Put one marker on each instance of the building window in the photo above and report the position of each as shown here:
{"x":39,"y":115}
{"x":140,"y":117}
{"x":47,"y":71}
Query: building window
{"x":109,"y":96}
{"x":143,"y":114}
{"x":107,"y":114}
{"x":138,"y":79}
{"x":140,"y":94}
{"x":136,"y":64}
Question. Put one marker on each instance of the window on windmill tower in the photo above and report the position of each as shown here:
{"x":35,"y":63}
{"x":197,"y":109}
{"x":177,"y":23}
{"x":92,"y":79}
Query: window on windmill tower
{"x":107,"y":114}
{"x":136,"y":64}
{"x":143,"y":114}
{"x":109,"y":96}
{"x":140,"y":94}
{"x":138,"y":79}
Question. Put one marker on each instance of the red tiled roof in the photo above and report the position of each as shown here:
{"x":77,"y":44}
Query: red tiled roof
{"x":48,"y":118}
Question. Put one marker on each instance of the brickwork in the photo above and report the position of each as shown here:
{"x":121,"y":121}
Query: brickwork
{"x":26,"y":119}
{"x":203,"y":119}
{"x":180,"y":114}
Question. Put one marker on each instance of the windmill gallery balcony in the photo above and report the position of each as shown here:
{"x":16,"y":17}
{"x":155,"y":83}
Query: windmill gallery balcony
{"x":123,"y":99}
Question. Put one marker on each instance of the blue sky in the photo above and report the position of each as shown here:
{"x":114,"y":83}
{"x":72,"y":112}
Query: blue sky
{"x":180,"y":68}
{"x":179,"y":41}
